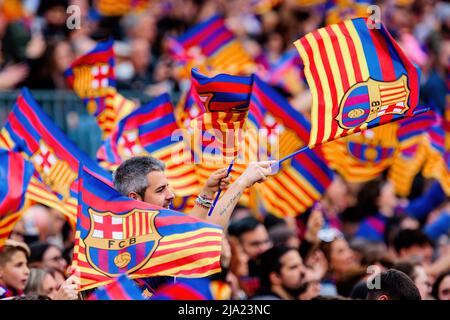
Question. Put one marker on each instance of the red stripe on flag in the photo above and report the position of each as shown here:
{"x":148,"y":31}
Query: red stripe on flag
{"x":386,"y":64}
{"x":331,"y":80}
{"x":318,"y":85}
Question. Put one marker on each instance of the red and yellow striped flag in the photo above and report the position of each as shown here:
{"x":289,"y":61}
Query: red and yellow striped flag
{"x":359,"y":79}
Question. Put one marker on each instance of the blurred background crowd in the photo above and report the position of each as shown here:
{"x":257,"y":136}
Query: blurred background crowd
{"x":352,"y":227}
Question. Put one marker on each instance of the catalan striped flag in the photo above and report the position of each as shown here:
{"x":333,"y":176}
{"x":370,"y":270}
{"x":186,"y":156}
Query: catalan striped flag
{"x":116,"y":235}
{"x":29,"y":129}
{"x":226,"y":101}
{"x":359,"y":79}
{"x":15,"y":175}
{"x":213,"y":44}
{"x":300,"y":181}
{"x":92,"y":78}
{"x":123,"y":288}
{"x":153,"y":130}
{"x":117,"y":8}
{"x":340,"y":10}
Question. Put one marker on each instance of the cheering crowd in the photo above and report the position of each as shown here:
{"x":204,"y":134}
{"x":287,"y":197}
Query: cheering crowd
{"x":360,"y":240}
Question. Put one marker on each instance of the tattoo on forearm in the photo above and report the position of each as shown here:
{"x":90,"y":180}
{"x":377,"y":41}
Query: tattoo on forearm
{"x":230,"y":202}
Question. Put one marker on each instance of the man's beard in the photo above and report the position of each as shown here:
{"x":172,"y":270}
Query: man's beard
{"x":297,"y":291}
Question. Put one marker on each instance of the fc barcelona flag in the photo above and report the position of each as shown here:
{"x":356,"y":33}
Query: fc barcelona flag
{"x":213,"y":44}
{"x":300,"y":181}
{"x":15,"y":175}
{"x":116,"y":235}
{"x":92,"y":78}
{"x":359,"y":79}
{"x":341,"y":10}
{"x":363,"y":156}
{"x":151,"y":130}
{"x":411,"y":152}
{"x":123,"y":288}
{"x":29,"y":130}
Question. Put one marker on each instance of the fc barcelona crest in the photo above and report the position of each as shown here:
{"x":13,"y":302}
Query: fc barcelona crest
{"x":122,"y":243}
{"x":367,"y":101}
{"x":56,"y":173}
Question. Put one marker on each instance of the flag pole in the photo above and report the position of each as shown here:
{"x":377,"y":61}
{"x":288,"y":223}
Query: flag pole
{"x":293,"y":154}
{"x":220,"y":190}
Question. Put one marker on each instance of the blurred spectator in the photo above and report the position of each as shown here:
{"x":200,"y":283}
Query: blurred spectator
{"x":394,"y":285}
{"x":282,"y":274}
{"x":441,"y":287}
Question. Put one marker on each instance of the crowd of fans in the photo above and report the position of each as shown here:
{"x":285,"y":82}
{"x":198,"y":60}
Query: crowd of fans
{"x":356,"y":235}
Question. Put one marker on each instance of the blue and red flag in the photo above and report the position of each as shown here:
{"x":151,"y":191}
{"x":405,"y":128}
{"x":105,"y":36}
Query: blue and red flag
{"x":359,"y":78}
{"x":225,"y":99}
{"x":15,"y":175}
{"x":123,"y":288}
{"x":29,"y":130}
{"x":286,"y":72}
{"x":153,"y":130}
{"x":212,"y":44}
{"x":300,"y":181}
{"x":116,"y":235}
{"x":411,"y":152}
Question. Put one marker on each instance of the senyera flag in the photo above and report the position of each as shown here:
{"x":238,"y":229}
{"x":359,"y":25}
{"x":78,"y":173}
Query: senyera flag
{"x":116,"y":234}
{"x":123,"y":288}
{"x":152,"y":130}
{"x":359,"y":78}
{"x":15,"y":175}
{"x":29,"y":130}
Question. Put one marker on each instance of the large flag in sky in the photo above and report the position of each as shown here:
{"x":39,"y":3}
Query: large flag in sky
{"x":30,"y":130}
{"x":359,"y":79}
{"x":15,"y":175}
{"x":212,"y":44}
{"x":116,"y":234}
{"x":92,"y":78}
{"x":152,"y":130}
